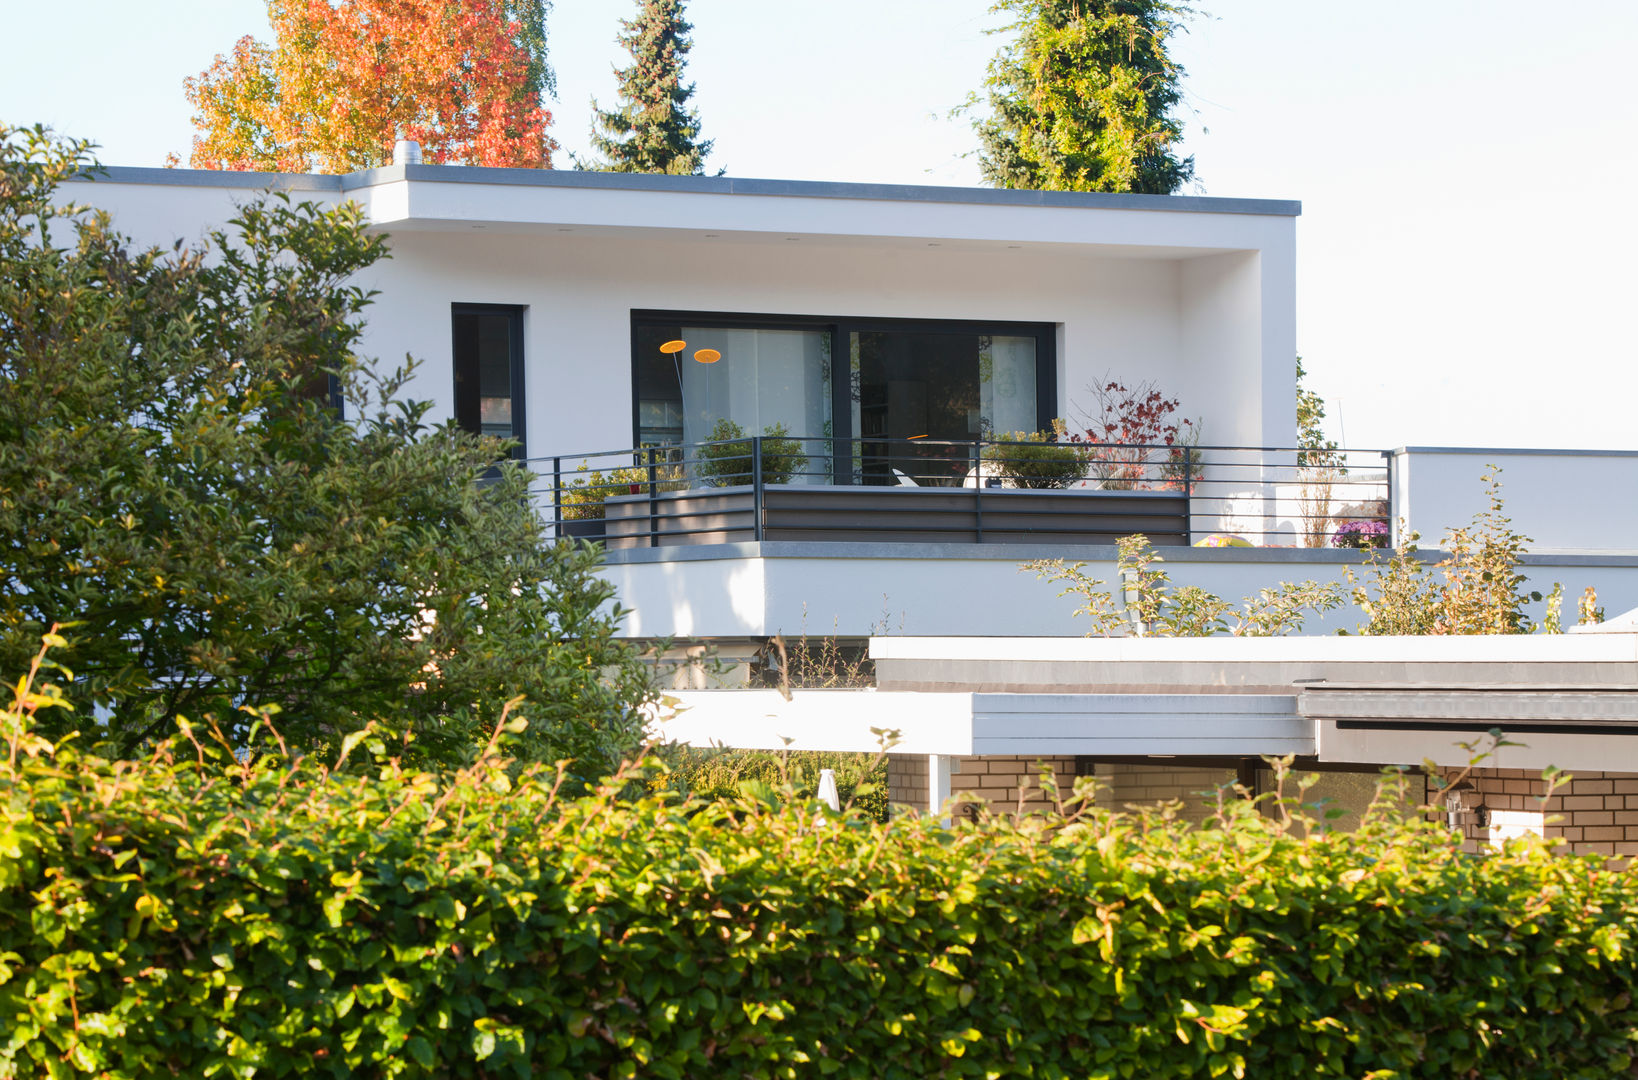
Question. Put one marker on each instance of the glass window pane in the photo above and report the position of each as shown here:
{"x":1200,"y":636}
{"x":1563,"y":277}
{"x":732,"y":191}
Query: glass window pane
{"x":928,"y":381}
{"x":486,"y":399}
{"x":1006,"y":385}
{"x":1349,"y":792}
{"x":757,"y":378}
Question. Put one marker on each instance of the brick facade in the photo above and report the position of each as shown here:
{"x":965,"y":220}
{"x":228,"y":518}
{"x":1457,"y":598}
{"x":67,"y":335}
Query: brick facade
{"x":907,"y":780}
{"x":1590,"y":814}
{"x":997,"y":779}
{"x":1147,"y":785}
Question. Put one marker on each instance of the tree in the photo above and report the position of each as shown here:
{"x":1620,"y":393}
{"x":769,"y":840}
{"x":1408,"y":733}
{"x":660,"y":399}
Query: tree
{"x":343,"y":79}
{"x":1318,"y":450}
{"x":179,"y":489}
{"x":1081,"y":99}
{"x":653,"y":130}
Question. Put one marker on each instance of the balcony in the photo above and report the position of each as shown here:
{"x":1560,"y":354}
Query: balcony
{"x":904,"y":491}
{"x":733,"y":541}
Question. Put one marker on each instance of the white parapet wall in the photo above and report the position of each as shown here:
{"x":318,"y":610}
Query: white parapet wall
{"x":857,"y":590}
{"x":1566,"y":501}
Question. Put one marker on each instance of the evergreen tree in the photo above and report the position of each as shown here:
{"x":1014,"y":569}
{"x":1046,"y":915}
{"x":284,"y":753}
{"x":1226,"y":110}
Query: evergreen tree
{"x":1081,"y":98}
{"x":653,"y":130}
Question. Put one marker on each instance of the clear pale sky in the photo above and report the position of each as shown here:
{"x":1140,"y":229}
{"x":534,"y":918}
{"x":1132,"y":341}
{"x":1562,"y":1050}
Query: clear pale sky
{"x":1466,"y":273}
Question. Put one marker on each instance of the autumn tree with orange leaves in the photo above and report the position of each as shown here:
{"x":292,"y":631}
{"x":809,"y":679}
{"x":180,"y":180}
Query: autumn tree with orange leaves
{"x":344,"y":78}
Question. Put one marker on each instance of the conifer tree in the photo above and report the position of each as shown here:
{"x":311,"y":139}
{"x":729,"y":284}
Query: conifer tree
{"x":1081,"y":98}
{"x":653,"y":130}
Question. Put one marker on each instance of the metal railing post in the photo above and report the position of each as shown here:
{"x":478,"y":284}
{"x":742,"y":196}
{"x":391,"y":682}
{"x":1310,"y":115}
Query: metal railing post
{"x":653,"y":502}
{"x":1188,"y":494}
{"x":557,"y":498}
{"x":1394,"y":539}
{"x":756,"y":487}
{"x":977,"y":471}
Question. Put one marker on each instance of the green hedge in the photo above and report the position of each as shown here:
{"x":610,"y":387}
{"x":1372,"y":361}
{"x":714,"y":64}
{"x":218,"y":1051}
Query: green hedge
{"x":192,"y":916}
{"x":861,"y":779}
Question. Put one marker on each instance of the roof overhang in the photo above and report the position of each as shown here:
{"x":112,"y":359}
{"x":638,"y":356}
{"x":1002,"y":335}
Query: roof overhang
{"x":967,"y":724}
{"x":446,"y":198}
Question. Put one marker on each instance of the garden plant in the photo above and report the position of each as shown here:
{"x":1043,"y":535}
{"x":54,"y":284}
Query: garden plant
{"x":1035,"y":459}
{"x":200,"y":472}
{"x":230,"y":908}
{"x":725,"y":457}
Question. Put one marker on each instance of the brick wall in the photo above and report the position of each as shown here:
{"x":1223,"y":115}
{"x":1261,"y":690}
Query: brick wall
{"x":997,"y":779}
{"x":1597,"y":813}
{"x":1148,"y":785}
{"x":907,"y":780}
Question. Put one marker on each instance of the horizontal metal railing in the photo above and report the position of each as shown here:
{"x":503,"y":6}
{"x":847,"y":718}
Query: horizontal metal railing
{"x":906,"y":490}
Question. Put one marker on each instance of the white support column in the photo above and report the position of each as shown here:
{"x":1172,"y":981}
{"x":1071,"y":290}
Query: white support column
{"x":938,"y":785}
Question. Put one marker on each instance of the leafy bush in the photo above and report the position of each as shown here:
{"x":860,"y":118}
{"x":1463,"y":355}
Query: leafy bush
{"x":582,"y":498}
{"x":1036,"y":460}
{"x":1482,"y":591}
{"x":1184,"y":464}
{"x":1147,"y":603}
{"x":1125,"y":426}
{"x":861,"y":779}
{"x":175,"y":476}
{"x":725,"y":459}
{"x":202,"y":914}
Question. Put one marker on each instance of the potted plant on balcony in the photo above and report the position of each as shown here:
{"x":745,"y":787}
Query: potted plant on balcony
{"x":1361,"y":534}
{"x":725,"y":459}
{"x":1184,"y":462}
{"x":1035,"y":459}
{"x":580,"y":502}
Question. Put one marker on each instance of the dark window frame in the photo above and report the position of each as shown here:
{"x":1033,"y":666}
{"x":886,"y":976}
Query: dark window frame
{"x":840,"y":326}
{"x":520,"y":413}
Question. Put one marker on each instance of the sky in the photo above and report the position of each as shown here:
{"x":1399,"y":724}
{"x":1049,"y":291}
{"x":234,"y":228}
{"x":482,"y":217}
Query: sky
{"x":1465,"y":265}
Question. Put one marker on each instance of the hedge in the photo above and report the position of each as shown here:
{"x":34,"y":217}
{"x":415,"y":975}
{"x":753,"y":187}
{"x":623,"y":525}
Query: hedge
{"x":206,"y":913}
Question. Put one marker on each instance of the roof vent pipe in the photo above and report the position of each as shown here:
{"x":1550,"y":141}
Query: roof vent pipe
{"x":406,"y":152}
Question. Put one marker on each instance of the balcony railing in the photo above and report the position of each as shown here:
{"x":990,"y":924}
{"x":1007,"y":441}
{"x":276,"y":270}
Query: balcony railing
{"x":767,"y":487}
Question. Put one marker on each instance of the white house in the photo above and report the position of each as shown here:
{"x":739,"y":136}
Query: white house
{"x":887,"y":328}
{"x":609,"y":322}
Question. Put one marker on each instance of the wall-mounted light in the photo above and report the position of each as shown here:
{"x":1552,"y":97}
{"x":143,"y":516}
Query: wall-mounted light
{"x":1464,"y":805}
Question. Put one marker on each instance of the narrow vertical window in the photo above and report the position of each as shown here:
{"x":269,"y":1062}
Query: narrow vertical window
{"x":489,"y":371}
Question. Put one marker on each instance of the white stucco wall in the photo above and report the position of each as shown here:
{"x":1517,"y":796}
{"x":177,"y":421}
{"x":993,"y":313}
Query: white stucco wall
{"x":1564,"y":500}
{"x":1200,"y":302}
{"x":859,"y":590}
{"x":1118,"y":316}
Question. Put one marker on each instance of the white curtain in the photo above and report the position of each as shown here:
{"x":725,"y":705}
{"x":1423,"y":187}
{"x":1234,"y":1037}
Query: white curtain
{"x":765,"y":377}
{"x":1006,"y":385}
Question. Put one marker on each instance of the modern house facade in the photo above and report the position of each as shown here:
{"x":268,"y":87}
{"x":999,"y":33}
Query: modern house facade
{"x":609,"y":323}
{"x":890,"y":330}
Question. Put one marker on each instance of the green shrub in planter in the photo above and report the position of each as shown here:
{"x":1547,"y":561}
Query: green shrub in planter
{"x":727,"y":461}
{"x":1035,"y":459}
{"x":582,"y":498}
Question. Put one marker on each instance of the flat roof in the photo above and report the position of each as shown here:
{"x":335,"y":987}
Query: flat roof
{"x":707,"y":185}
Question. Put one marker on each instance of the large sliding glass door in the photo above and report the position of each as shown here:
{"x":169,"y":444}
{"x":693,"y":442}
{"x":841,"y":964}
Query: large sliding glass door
{"x":904,"y":383}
